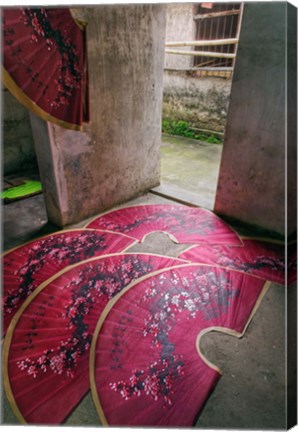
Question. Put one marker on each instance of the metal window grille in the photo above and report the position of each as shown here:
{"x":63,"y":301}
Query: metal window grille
{"x":217,"y":21}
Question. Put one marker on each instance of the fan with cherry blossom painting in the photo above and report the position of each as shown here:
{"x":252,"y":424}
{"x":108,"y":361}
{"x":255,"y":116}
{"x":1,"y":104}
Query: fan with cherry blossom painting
{"x":159,"y":377}
{"x":46,"y":349}
{"x":45,"y":63}
{"x":27,"y":266}
{"x":263,"y":259}
{"x":182,"y":223}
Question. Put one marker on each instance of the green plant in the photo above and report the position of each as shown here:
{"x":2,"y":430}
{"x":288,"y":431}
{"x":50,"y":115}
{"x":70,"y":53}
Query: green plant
{"x":182,"y":128}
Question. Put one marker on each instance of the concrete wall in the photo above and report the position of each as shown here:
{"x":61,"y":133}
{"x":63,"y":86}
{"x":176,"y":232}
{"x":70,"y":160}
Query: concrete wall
{"x":18,"y":152}
{"x":202,"y":101}
{"x":292,"y":118}
{"x":180,"y":26}
{"x":117,"y":156}
{"x":251,"y":186}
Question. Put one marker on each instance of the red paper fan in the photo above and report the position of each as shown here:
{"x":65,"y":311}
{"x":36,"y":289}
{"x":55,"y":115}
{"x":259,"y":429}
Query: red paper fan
{"x":159,"y":377}
{"x":47,"y":345}
{"x":27,"y":266}
{"x":262,"y":259}
{"x":45,"y":65}
{"x":183,"y":224}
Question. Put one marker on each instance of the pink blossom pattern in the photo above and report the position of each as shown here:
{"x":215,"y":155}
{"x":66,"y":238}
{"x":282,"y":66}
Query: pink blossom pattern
{"x":92,"y":282}
{"x":263,"y":259}
{"x":156,"y":380}
{"x":185,"y":224}
{"x":70,"y":75}
{"x":212,"y":299}
{"x":44,"y":53}
{"x":29,"y":265}
{"x":160,"y":380}
{"x":51,"y":339}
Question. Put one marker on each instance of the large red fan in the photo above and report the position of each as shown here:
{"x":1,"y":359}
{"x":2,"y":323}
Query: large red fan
{"x":46,"y":350}
{"x":27,"y":266}
{"x":45,"y":64}
{"x":159,"y":377}
{"x":263,"y":259}
{"x":183,"y":224}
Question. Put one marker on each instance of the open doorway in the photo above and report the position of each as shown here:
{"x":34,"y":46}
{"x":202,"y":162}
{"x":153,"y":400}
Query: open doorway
{"x":201,"y":44}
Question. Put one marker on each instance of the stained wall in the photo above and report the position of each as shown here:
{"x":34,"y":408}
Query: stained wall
{"x":18,"y":152}
{"x":180,"y":26}
{"x":201,"y":101}
{"x":251,"y":186}
{"x":117,"y":156}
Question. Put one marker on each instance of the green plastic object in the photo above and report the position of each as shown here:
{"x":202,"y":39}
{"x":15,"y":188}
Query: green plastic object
{"x":31,"y":187}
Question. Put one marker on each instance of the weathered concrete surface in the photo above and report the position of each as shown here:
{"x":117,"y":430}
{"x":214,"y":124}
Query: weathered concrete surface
{"x":202,"y":101}
{"x":61,"y":154}
{"x":16,"y":233}
{"x":291,"y":117}
{"x":180,"y":26}
{"x":189,"y":170}
{"x":251,"y":392}
{"x":18,"y":152}
{"x":117,"y":157}
{"x":251,"y":184}
{"x":292,"y":205}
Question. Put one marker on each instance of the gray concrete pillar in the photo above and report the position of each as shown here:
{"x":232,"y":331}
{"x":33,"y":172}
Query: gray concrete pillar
{"x":251,"y":186}
{"x":117,"y":156}
{"x":291,"y":119}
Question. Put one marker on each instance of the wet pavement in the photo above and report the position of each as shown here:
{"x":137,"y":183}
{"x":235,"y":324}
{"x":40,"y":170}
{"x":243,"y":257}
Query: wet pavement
{"x":189,"y":170}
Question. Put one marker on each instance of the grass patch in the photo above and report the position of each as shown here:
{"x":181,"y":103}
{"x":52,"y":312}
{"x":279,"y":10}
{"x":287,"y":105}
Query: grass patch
{"x":183,"y":128}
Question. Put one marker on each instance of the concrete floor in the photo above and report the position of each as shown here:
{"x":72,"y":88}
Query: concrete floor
{"x":251,"y":393}
{"x":189,"y":170}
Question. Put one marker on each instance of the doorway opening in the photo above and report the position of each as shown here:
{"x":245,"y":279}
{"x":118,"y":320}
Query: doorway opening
{"x":200,"y":52}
